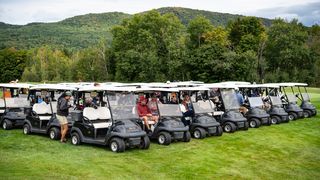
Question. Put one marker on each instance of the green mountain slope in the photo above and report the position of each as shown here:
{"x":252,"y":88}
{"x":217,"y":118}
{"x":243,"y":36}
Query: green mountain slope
{"x":216,"y":18}
{"x":72,"y":33}
{"x":86,"y":30}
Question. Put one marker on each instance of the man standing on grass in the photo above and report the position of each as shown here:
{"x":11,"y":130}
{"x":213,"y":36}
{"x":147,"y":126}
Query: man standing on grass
{"x":62,"y":114}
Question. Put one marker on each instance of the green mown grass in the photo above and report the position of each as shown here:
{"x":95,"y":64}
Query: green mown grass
{"x":285,"y":151}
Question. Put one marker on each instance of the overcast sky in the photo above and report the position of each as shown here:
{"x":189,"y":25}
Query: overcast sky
{"x":26,"y":11}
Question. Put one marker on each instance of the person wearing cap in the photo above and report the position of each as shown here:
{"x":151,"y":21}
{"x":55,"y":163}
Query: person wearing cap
{"x":62,"y":114}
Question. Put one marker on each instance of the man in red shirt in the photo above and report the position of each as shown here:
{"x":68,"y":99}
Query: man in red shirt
{"x":144,"y":111}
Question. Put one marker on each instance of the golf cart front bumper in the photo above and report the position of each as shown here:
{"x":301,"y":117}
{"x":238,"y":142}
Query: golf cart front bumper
{"x":300,"y":114}
{"x":241,"y":124}
{"x":285,"y":118}
{"x":134,"y":141}
{"x":265,"y":120}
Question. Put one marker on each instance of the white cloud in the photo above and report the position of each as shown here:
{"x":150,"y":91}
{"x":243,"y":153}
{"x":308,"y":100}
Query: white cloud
{"x":26,"y":11}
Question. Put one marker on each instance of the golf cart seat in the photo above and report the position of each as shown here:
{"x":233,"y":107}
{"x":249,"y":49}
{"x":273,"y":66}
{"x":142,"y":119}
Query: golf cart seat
{"x":101,"y":113}
{"x":54,"y":106}
{"x":42,"y":110}
{"x":2,"y":106}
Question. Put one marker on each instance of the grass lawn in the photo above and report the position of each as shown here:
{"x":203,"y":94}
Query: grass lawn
{"x":285,"y":151}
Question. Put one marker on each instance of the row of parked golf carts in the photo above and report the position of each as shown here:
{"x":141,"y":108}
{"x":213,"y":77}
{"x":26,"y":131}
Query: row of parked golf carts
{"x":106,"y":114}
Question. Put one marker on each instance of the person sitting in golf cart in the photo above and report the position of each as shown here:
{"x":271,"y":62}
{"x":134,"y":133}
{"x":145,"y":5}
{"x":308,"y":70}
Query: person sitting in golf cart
{"x":144,"y":112}
{"x":187,"y":109}
{"x":152,"y":105}
{"x":173,"y":98}
{"x":240,"y":98}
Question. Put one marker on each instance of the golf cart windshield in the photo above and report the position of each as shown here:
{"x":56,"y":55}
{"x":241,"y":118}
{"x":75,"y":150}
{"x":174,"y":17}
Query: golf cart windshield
{"x":202,"y":107}
{"x":305,"y":96}
{"x":123,"y":106}
{"x":229,"y":98}
{"x":169,"y":110}
{"x":13,"y":99}
{"x":255,"y":101}
{"x":275,"y":100}
{"x":292,"y":98}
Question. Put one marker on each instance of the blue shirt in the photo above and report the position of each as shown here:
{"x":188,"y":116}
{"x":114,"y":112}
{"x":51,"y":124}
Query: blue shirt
{"x":240,"y":98}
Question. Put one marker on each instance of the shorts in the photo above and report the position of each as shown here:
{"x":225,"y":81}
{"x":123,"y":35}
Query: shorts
{"x":62,"y":119}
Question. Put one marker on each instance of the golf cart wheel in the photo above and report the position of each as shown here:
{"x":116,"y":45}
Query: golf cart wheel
{"x":26,"y":129}
{"x":292,"y":116}
{"x":186,"y":136}
{"x":219,"y":131}
{"x":145,"y":142}
{"x":164,"y":138}
{"x":306,"y":114}
{"x":254,"y":123}
{"x":199,"y":133}
{"x":75,"y":139}
{"x":117,"y":145}
{"x":275,"y":120}
{"x":229,"y":127}
{"x":6,"y":125}
{"x":54,"y":133}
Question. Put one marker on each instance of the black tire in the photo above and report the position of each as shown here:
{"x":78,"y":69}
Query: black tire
{"x":6,"y":124}
{"x":75,"y":139}
{"x":229,"y":127}
{"x":54,"y":133}
{"x":275,"y":119}
{"x":306,"y":114}
{"x":292,"y":116}
{"x":164,"y":138}
{"x":117,"y":145}
{"x":199,"y":133}
{"x":145,"y":142}
{"x":254,"y":123}
{"x":186,"y":136}
{"x":219,"y":131}
{"x":26,"y":129}
{"x":269,"y":122}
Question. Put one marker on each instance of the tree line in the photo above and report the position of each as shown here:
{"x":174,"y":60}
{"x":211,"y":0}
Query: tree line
{"x":154,"y":47}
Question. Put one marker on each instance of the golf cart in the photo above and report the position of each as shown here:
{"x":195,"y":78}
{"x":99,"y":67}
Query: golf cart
{"x":111,"y":122}
{"x":226,"y":107}
{"x":41,"y":117}
{"x":201,"y":122}
{"x":13,"y":104}
{"x":277,"y":113}
{"x":309,"y":109}
{"x":290,"y":100}
{"x":169,"y":126}
{"x":256,"y":114}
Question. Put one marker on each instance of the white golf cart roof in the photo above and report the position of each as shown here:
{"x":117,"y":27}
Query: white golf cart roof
{"x":160,"y":85}
{"x":292,"y":84}
{"x":235,"y":83}
{"x":53,"y":87}
{"x":108,"y":88}
{"x":15,"y":85}
{"x":186,"y":83}
{"x":270,"y":85}
{"x":248,"y":85}
{"x":155,"y":89}
{"x":219,"y":85}
{"x":193,"y":88}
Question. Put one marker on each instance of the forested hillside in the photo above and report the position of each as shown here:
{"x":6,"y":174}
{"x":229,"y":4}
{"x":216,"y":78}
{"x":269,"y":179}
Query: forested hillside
{"x":73,"y":33}
{"x":216,"y":18}
{"x":86,"y":30}
{"x":158,"y":46}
